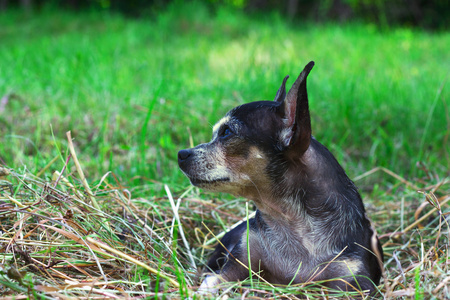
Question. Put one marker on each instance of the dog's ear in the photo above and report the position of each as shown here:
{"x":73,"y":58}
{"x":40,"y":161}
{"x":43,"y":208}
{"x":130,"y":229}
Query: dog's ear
{"x":296,"y":132}
{"x":281,"y":94}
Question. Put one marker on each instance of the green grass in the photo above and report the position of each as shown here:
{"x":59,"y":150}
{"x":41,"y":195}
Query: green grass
{"x":129,"y":90}
{"x":135,"y":91}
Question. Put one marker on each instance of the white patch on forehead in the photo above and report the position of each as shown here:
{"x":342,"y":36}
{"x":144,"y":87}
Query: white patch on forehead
{"x":220,"y":123}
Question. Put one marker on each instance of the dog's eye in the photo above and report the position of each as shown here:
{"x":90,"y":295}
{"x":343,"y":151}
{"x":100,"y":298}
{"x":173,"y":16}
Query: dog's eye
{"x":225,"y":131}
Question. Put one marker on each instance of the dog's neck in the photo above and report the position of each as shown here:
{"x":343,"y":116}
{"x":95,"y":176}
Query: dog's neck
{"x":312,"y":195}
{"x":316,"y":183}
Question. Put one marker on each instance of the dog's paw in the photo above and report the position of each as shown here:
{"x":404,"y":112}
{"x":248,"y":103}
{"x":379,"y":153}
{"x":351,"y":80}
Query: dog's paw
{"x":209,"y":285}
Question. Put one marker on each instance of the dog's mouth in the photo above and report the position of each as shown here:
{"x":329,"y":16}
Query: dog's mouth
{"x":199,"y":182}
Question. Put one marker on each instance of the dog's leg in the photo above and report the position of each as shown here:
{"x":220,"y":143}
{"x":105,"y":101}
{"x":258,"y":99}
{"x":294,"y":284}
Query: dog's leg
{"x":226,"y":245}
{"x":229,"y":261}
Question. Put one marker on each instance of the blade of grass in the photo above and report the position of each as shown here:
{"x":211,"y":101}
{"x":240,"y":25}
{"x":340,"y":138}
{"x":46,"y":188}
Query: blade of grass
{"x":180,"y":227}
{"x":80,"y":171}
{"x":430,"y":116}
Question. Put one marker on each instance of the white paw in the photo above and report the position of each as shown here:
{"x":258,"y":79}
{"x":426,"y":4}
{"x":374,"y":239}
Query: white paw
{"x":209,"y":285}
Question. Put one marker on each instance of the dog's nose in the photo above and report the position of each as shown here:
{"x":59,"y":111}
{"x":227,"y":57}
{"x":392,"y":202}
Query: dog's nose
{"x":183,"y":155}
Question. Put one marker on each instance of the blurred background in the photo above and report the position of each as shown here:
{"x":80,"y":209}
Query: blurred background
{"x":431,"y":14}
{"x":136,"y":81}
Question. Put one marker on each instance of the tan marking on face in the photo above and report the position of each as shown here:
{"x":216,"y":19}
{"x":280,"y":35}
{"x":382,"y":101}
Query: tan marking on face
{"x":251,"y":165}
{"x":220,"y":123}
{"x":255,"y":153}
{"x":250,"y":173}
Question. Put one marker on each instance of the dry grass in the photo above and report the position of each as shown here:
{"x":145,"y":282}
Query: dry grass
{"x":412,"y":223}
{"x":64,"y":239}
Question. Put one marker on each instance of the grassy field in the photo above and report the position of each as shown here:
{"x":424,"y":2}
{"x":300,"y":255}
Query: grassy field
{"x":134,"y":92}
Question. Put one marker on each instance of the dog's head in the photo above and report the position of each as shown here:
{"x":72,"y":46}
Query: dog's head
{"x":248,"y":139}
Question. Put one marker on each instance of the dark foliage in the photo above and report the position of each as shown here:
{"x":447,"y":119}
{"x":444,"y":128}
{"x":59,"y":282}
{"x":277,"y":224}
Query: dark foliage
{"x":429,"y":14}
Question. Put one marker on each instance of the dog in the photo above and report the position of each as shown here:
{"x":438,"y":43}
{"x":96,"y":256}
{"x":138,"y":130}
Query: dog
{"x":310,"y":224}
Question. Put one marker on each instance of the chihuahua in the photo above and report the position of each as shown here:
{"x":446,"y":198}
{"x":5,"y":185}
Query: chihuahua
{"x":310,"y":223}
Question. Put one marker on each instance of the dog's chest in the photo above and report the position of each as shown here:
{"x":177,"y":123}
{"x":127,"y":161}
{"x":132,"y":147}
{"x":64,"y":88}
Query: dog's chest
{"x":286,"y":254}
